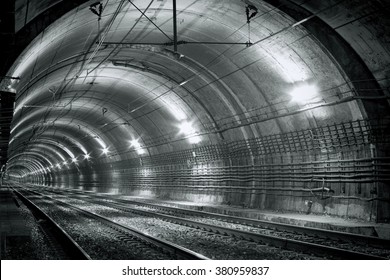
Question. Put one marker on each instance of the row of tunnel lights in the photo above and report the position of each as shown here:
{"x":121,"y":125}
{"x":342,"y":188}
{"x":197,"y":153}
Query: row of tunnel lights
{"x":300,"y":94}
{"x":186,"y":128}
{"x":86,"y":156}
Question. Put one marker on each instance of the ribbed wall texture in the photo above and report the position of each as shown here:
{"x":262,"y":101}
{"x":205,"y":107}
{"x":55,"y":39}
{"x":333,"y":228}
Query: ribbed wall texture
{"x":339,"y":169}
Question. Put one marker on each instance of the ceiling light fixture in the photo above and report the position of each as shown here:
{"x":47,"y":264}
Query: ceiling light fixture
{"x":135,"y":143}
{"x":194,"y":139}
{"x":304,"y":93}
{"x":105,"y":151}
{"x":137,"y":146}
{"x":187,"y":129}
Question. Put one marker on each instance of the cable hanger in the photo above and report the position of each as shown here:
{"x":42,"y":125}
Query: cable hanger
{"x":250,"y":11}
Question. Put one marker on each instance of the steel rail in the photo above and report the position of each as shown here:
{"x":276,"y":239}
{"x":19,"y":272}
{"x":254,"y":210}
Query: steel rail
{"x":178,"y":251}
{"x":74,"y":251}
{"x":281,"y":242}
{"x":311,"y":231}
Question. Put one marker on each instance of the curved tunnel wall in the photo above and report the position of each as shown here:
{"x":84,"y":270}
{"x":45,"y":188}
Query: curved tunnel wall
{"x":211,"y":123}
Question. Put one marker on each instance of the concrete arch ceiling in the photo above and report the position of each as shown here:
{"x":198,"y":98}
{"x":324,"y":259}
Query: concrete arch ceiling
{"x":113,"y":78}
{"x":70,"y":136}
{"x":31,"y":163}
{"x":45,"y":160}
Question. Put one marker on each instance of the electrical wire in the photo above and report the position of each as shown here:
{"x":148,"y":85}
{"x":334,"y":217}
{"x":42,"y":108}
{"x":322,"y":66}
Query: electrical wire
{"x":143,"y":13}
{"x":103,"y":37}
{"x":210,"y":64}
{"x":221,"y":55}
{"x":123,"y":38}
{"x":199,"y":72}
{"x":62,"y":86}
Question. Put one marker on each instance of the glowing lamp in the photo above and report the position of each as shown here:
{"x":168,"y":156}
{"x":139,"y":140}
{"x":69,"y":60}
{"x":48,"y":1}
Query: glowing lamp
{"x":304,"y":93}
{"x":186,"y":128}
{"x":135,"y":143}
{"x":194,"y":139}
{"x":137,"y":146}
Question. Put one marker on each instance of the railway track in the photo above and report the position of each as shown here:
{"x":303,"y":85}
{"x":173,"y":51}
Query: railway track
{"x":309,"y":231}
{"x":337,"y":245}
{"x":116,"y":241}
{"x":61,"y":242}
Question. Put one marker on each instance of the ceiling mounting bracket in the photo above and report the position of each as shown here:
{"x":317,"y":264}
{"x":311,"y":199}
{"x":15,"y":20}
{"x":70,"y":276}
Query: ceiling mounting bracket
{"x":251,"y":11}
{"x":97,"y":9}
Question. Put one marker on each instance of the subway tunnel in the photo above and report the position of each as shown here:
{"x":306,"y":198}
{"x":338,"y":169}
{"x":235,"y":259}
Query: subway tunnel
{"x":274,"y":109}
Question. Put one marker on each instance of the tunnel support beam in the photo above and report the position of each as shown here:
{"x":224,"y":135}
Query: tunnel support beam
{"x":174,"y":26}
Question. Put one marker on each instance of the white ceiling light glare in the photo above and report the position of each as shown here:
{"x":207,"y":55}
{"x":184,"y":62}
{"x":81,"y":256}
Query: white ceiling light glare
{"x":87,"y":156}
{"x":303,"y":93}
{"x":194,"y":139}
{"x":135,"y":143}
{"x":187,"y":129}
{"x":105,"y":151}
{"x":137,"y":146}
{"x":292,"y":69}
{"x":177,"y":112}
{"x":183,"y":83}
